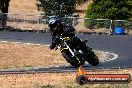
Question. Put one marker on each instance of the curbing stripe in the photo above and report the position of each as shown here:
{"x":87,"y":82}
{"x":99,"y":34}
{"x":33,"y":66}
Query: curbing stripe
{"x":4,"y":41}
{"x":38,"y":44}
{"x":115,"y":56}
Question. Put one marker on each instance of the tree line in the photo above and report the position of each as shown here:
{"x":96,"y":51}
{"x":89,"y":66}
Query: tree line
{"x":103,"y":9}
{"x":59,"y":7}
{"x":110,"y":9}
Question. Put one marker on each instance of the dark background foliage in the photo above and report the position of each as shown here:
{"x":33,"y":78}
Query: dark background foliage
{"x":58,"y":7}
{"x":110,"y":9}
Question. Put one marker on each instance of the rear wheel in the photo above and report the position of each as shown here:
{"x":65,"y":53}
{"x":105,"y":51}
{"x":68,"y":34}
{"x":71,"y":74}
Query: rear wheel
{"x":92,"y":59}
{"x":72,"y":60}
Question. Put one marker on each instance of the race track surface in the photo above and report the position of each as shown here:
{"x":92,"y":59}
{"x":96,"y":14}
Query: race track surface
{"x":118,"y":44}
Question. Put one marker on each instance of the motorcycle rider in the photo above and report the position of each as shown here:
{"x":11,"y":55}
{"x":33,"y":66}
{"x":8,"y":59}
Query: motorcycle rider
{"x":58,"y":29}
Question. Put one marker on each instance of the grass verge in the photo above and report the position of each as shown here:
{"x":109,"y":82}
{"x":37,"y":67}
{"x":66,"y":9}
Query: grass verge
{"x":22,"y":55}
{"x":57,"y":80}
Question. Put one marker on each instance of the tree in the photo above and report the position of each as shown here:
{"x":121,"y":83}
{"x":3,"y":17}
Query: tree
{"x":110,"y":9}
{"x":58,"y":7}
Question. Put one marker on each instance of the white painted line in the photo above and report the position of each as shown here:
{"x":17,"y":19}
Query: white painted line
{"x":4,"y":41}
{"x":57,"y":66}
{"x":115,"y":57}
{"x":16,"y":42}
{"x":36,"y":68}
{"x":27,"y":69}
{"x":24,"y":43}
{"x":46,"y":67}
{"x":38,"y":44}
{"x":67,"y":65}
{"x":106,"y":52}
{"x":46,"y":45}
{"x":28,"y":43}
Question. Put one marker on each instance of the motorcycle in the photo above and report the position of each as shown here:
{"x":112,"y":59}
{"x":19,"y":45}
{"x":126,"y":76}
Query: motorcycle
{"x":74,"y":54}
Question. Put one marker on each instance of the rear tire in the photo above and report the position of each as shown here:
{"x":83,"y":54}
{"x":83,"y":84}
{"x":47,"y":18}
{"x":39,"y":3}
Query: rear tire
{"x":72,"y":60}
{"x":92,"y":59}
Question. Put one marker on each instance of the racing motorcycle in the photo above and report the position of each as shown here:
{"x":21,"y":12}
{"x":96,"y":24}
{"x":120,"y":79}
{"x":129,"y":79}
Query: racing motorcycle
{"x":75,"y":55}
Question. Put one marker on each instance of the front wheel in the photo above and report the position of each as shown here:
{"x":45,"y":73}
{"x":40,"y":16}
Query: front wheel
{"x":92,"y":59}
{"x":72,"y":60}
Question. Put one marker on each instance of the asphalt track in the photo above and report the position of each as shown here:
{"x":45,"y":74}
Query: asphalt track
{"x":118,"y":44}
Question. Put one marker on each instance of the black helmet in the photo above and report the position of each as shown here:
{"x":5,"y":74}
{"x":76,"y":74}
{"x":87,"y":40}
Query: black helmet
{"x":54,"y":22}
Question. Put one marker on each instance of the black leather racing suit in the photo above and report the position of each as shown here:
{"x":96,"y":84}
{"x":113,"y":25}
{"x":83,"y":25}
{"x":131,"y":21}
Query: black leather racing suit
{"x":64,"y":31}
{"x":68,"y":31}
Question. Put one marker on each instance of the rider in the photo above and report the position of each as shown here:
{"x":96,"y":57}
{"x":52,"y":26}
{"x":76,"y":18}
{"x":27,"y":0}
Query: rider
{"x":57,"y":29}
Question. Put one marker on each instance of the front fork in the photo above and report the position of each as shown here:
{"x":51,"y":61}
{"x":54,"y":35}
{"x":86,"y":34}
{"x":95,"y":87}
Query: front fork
{"x":72,"y":53}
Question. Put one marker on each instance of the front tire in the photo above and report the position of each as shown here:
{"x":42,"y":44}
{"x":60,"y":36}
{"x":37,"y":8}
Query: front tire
{"x":72,"y":60}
